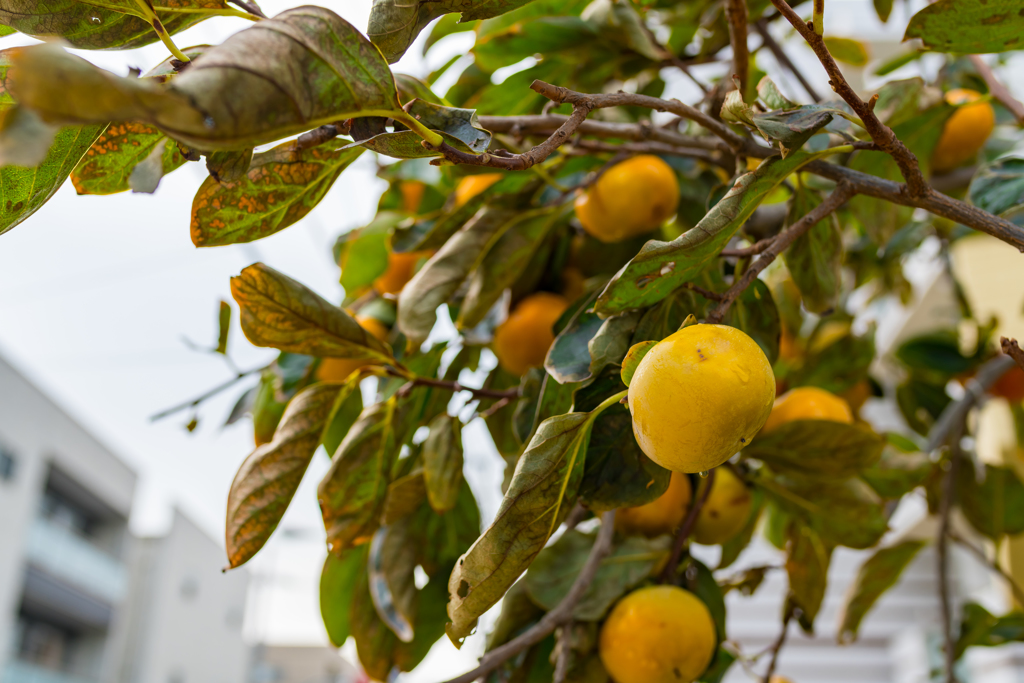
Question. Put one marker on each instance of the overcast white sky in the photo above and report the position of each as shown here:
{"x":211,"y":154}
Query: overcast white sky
{"x":100,"y":291}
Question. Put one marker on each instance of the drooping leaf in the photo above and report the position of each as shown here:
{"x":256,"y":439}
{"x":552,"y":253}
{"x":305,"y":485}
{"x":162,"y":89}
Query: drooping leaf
{"x":553,"y":572}
{"x":817,"y":448}
{"x":807,"y":562}
{"x":344,"y":414}
{"x":617,"y":472}
{"x":755,"y":313}
{"x":352,"y":492}
{"x":268,"y":479}
{"x":979,"y":627}
{"x":994,"y":505}
{"x":107,"y":165}
{"x":699,"y":580}
{"x":968,"y":26}
{"x":237,"y":95}
{"x":278,"y":312}
{"x":772,"y":96}
{"x":661,"y":267}
{"x":436,"y":282}
{"x":405,"y":495}
{"x":815,"y":258}
{"x":999,"y":187}
{"x":848,"y":50}
{"x":878,"y":574}
{"x":883,"y":8}
{"x":459,"y":127}
{"x":505,"y":259}
{"x":844,"y":513}
{"x":223,"y":327}
{"x":394,"y":24}
{"x":338,"y":581}
{"x":539,"y":497}
{"x":227,"y":166}
{"x":793,"y":128}
{"x":897,"y":473}
{"x":281,"y":186}
{"x":442,"y":462}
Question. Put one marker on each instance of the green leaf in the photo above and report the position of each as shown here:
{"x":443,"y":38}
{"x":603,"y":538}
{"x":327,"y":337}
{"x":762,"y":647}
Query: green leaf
{"x":394,"y":24}
{"x":227,"y":166}
{"x":807,"y":561}
{"x":281,"y":186}
{"x":568,"y":360}
{"x":362,"y":254}
{"x":541,"y":493}
{"x":108,"y":164}
{"x":438,"y":280}
{"x":268,"y":479}
{"x":612,"y":341}
{"x":525,"y":38}
{"x":630,"y":562}
{"x":352,"y":492}
{"x":841,"y":512}
{"x":815,"y":258}
{"x":505,"y":259}
{"x":518,"y":612}
{"x":794,"y":127}
{"x":405,"y":495}
{"x":237,"y":95}
{"x":338,"y":581}
{"x":995,"y":505}
{"x":883,"y":8}
{"x":633,"y":357}
{"x":223,"y":327}
{"x":968,"y":26}
{"x":410,"y":88}
{"x":442,"y":462}
{"x":979,"y":627}
{"x":772,"y":96}
{"x":343,"y":415}
{"x":617,"y":472}
{"x":839,"y":365}
{"x":432,"y":233}
{"x":661,"y":267}
{"x":878,"y":574}
{"x":715,"y":673}
{"x":699,"y":580}
{"x":897,"y":473}
{"x":278,"y":312}
{"x":732,"y":548}
{"x":817,"y":448}
{"x":91,"y":27}
{"x":848,"y":50}
{"x":999,"y":187}
{"x":755,"y":313}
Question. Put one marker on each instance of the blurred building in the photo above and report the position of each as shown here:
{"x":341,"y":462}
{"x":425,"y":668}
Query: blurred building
{"x":300,"y":664}
{"x":81,"y":599}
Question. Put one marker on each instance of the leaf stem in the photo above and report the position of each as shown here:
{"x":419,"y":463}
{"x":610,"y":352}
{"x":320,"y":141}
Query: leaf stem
{"x":608,"y":403}
{"x":432,"y":137}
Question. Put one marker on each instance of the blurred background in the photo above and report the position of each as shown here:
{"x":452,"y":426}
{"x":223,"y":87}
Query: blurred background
{"x":111,"y":524}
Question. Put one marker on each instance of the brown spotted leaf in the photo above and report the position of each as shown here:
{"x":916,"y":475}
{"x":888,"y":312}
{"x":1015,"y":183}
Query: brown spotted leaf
{"x":278,"y":312}
{"x":268,"y":478}
{"x":302,"y":69}
{"x":281,"y":186}
{"x":108,"y":164}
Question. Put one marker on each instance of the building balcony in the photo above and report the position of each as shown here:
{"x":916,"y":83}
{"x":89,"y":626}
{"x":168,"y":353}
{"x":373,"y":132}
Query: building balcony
{"x":23,"y":672}
{"x":71,"y":558}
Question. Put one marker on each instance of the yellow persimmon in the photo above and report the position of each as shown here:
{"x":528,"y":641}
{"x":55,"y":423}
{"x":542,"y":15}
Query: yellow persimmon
{"x":725,"y":510}
{"x":338,"y":369}
{"x":629,"y":199}
{"x":658,"y":634}
{"x":401,"y":268}
{"x":965,"y":132}
{"x":472,"y":185}
{"x":412,"y":194}
{"x":808,"y":403}
{"x":523,"y":340}
{"x":699,"y":396}
{"x":660,"y":516}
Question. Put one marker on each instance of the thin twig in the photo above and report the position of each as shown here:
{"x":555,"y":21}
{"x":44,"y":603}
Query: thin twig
{"x":564,"y":654}
{"x":1012,"y":349}
{"x":634,"y":148}
{"x":753,"y":250}
{"x":498,"y":405}
{"x":879,"y":132}
{"x":1018,"y":594}
{"x":706,"y":293}
{"x":209,"y":394}
{"x":635,"y":132}
{"x":556,"y":617}
{"x":736,"y":13}
{"x":686,"y":529}
{"x":779,"y":642}
{"x":454,"y":386}
{"x":779,"y":244}
{"x":998,"y":90}
{"x":761,"y":26}
{"x":955,"y":413}
{"x":942,"y":555}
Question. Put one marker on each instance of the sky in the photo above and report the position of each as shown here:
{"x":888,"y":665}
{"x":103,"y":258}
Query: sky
{"x":103,"y":298}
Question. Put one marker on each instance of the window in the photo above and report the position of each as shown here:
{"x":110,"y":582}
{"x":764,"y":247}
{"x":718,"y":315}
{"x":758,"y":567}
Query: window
{"x":7,"y":463}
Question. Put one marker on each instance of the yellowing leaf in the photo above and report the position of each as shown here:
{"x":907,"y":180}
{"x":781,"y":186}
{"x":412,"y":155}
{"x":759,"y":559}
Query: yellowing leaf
{"x":848,"y":50}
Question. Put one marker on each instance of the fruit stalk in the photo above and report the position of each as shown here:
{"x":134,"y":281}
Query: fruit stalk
{"x":686,"y":529}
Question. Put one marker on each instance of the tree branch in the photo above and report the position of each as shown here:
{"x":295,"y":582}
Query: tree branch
{"x":779,"y":244}
{"x":686,"y":529}
{"x":998,"y":90}
{"x":635,"y":132}
{"x":955,"y":413}
{"x":1018,"y":594}
{"x":752,"y":250}
{"x":879,"y":132}
{"x":208,"y":394}
{"x":780,"y":641}
{"x":761,"y":26}
{"x":453,"y":386}
{"x":942,"y":555}
{"x":736,"y":12}
{"x":556,"y":617}
{"x":1013,"y":350}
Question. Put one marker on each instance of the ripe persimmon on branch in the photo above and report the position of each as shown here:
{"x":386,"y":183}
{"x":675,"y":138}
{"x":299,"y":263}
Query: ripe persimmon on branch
{"x":632,"y":290}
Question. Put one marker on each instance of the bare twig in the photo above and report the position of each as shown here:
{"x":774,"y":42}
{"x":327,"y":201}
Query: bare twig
{"x":998,"y":90}
{"x":319,"y":136}
{"x":1018,"y":594}
{"x":778,"y":244}
{"x":1012,"y":349}
{"x":761,"y":26}
{"x":752,"y":250}
{"x":736,"y":13}
{"x":942,"y":555}
{"x":564,"y":654}
{"x":208,"y":394}
{"x":879,"y":132}
{"x":635,"y":132}
{"x":706,"y":293}
{"x":955,"y":413}
{"x":454,"y":386}
{"x":556,"y":617}
{"x":634,"y":148}
{"x":779,"y":642}
{"x":498,"y":405}
{"x":686,"y":529}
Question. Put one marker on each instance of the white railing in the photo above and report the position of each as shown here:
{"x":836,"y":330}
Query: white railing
{"x":23,"y":672}
{"x":67,"y":556}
